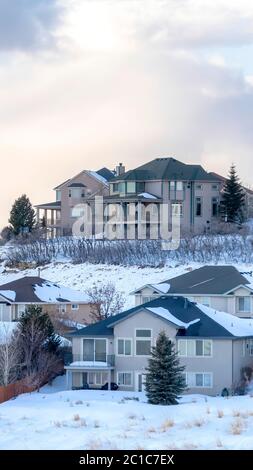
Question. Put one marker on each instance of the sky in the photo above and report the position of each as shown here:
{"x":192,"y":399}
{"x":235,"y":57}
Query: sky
{"x":91,"y":83}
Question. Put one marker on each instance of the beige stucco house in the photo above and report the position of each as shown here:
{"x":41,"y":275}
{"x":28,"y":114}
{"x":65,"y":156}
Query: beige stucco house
{"x":222,"y":288}
{"x":213,"y":346}
{"x":17,"y":295}
{"x":60,"y":215}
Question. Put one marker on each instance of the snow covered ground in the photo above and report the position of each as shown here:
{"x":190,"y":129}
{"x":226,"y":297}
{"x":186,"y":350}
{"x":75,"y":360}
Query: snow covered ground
{"x":125,"y":278}
{"x":58,"y":419}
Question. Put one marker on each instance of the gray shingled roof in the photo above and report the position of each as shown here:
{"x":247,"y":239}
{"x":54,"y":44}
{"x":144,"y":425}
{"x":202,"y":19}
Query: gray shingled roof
{"x":105,"y":173}
{"x":184,"y":311}
{"x":207,"y":280}
{"x":167,"y":169}
{"x":50,"y":205}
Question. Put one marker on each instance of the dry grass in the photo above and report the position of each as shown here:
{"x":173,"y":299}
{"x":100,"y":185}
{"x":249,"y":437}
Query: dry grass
{"x":97,"y":424}
{"x":189,"y":446}
{"x":237,"y":427}
{"x":236,"y":413}
{"x":167,"y":424}
{"x":132,"y":416}
{"x":208,"y":411}
{"x":195,"y":423}
{"x":79,"y":402}
{"x":58,"y":424}
{"x":220,"y":413}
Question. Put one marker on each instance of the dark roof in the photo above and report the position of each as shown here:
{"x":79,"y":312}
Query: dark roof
{"x":167,"y":169}
{"x":59,"y":185}
{"x":50,"y":205}
{"x":207,"y":280}
{"x":179,"y":307}
{"x":105,"y":173}
{"x":76,"y":185}
{"x":24,"y":289}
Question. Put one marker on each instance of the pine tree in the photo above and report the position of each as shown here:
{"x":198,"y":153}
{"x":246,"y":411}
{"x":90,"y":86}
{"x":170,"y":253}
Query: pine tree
{"x":164,"y":378}
{"x":22,"y":215}
{"x":233,"y":198}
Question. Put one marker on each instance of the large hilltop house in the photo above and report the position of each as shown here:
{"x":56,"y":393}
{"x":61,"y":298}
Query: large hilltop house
{"x":213,"y":346}
{"x":219,"y":287}
{"x":16,"y":296}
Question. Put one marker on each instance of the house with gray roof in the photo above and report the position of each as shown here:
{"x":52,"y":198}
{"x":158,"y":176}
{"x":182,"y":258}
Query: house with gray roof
{"x":169,"y":181}
{"x":213,"y":346}
{"x":223,"y":288}
{"x":17,"y":295}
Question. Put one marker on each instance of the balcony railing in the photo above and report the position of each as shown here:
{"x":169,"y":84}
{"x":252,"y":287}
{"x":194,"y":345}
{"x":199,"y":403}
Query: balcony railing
{"x":89,"y":360}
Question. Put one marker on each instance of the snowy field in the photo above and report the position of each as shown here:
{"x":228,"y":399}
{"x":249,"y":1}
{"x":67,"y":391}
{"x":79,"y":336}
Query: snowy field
{"x":56,"y":419}
{"x":126,"y":279}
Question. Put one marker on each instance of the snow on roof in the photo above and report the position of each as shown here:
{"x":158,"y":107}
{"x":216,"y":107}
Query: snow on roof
{"x":97,"y":176}
{"x":164,"y":313}
{"x":147,"y":196}
{"x":164,"y":287}
{"x":95,"y":364}
{"x":50,"y":292}
{"x":8,"y":294}
{"x":240,"y":327}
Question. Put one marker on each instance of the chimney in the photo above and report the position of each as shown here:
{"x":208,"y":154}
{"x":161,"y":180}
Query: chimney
{"x":120,"y":169}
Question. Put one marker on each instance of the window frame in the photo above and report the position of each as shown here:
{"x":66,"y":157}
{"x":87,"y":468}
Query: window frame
{"x":240,"y":297}
{"x":76,"y":305}
{"x":201,"y":206}
{"x":195,"y":348}
{"x":195,"y":373}
{"x":124,"y":372}
{"x":131,"y":347}
{"x":143,"y":338}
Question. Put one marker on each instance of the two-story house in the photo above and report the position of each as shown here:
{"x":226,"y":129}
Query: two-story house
{"x":169,"y":181}
{"x":59,"y":216}
{"x":213,"y":346}
{"x":222,"y":288}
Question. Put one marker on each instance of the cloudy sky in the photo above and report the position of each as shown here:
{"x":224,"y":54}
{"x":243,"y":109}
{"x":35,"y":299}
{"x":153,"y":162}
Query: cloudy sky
{"x":89,"y":83}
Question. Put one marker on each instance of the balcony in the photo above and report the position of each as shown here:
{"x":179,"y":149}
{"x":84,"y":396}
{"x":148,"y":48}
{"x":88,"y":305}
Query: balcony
{"x":87,"y":361}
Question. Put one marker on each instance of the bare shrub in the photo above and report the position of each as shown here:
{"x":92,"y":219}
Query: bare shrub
{"x":106,"y":301}
{"x":79,"y":402}
{"x":219,"y":443}
{"x":76,"y":417}
{"x":220,"y":413}
{"x":237,"y":426}
{"x":167,"y":424}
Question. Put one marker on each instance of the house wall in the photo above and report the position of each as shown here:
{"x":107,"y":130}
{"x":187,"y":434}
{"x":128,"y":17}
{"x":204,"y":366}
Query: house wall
{"x":241,"y":358}
{"x":83,"y":315}
{"x":67,"y":203}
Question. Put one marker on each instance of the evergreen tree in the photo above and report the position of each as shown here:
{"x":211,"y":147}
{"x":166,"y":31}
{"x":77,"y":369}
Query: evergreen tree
{"x":233,"y":198}
{"x":164,"y":377}
{"x":22,"y":215}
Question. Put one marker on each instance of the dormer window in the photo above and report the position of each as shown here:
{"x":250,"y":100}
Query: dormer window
{"x":244,"y":304}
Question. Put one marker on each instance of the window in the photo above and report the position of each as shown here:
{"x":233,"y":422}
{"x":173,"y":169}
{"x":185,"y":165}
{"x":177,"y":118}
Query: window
{"x":244,"y":304}
{"x":198,"y":206}
{"x":215,"y":186}
{"x":131,"y":187}
{"x":94,"y":350}
{"x":177,"y":208}
{"x":179,"y":185}
{"x":172,"y":185}
{"x":147,"y":299}
{"x":215,"y":206}
{"x":124,"y":347}
{"x":97,"y":378}
{"x":195,"y":348}
{"x":77,"y":211}
{"x":140,"y":187}
{"x":125,"y":378}
{"x":62,"y":308}
{"x":199,"y":187}
{"x":21,"y":310}
{"x":251,"y":347}
{"x":121,"y":188}
{"x":199,"y":379}
{"x":74,"y":307}
{"x":143,"y":342}
{"x":75,"y":193}
{"x":58,"y":195}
